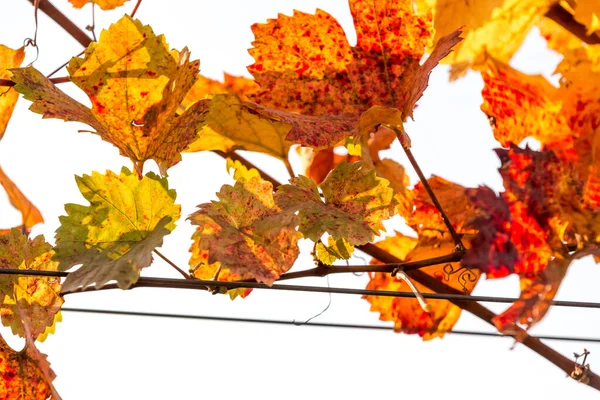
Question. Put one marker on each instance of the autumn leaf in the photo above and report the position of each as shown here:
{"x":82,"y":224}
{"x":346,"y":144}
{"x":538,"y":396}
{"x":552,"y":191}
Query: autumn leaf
{"x":201,"y":269}
{"x":38,"y":297}
{"x":587,"y":12}
{"x":318,"y":163}
{"x":536,"y":297}
{"x":26,"y":374}
{"x":426,"y":219}
{"x":406,"y":313}
{"x":126,"y":218}
{"x":334,"y":250}
{"x":491,"y":27}
{"x":233,"y":124}
{"x":205,"y":88}
{"x":29,"y":213}
{"x":246,"y":232}
{"x":136,"y":85}
{"x":304,"y":63}
{"x":103,"y":4}
{"x":9,"y":58}
{"x":355,"y":202}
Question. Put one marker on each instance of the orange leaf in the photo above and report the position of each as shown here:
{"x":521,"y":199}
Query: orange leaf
{"x":305,"y":64}
{"x":9,"y":58}
{"x":537,"y":294}
{"x":26,"y":374}
{"x":407,"y":314}
{"x":30,"y":214}
{"x":103,"y":4}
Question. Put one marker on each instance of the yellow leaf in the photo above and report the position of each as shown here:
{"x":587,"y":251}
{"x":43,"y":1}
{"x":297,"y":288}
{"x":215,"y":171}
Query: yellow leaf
{"x":136,"y":86}
{"x":9,"y":58}
{"x":103,"y":4}
{"x":30,"y":214}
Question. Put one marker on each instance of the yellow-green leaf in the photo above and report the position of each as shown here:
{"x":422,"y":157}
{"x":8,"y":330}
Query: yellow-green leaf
{"x":355,"y":203}
{"x":124,"y":212}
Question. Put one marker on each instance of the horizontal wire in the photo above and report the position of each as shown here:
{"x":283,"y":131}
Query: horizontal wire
{"x":199,"y":284}
{"x":313,"y":324}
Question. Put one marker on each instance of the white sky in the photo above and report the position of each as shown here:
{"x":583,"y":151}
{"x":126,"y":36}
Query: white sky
{"x":99,"y":357}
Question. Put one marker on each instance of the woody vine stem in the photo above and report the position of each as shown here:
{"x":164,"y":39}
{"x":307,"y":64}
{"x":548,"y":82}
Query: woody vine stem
{"x":392,"y":264}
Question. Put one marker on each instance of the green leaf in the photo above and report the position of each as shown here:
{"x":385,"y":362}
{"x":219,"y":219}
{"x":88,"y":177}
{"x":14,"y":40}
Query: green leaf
{"x":99,"y":268}
{"x":123,"y":211}
{"x":246,"y":232}
{"x":356,"y":202}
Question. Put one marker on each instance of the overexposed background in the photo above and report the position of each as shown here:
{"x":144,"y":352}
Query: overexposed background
{"x":100,"y":356}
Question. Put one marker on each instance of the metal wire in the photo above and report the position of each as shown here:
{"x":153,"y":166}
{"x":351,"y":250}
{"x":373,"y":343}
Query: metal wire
{"x":199,"y":284}
{"x":313,"y":324}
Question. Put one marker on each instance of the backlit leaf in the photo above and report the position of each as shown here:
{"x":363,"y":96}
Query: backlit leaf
{"x":246,"y":231}
{"x":536,"y":297}
{"x":491,"y":27}
{"x":37,"y":297}
{"x":304,"y":63}
{"x":126,"y":218}
{"x":26,"y":374}
{"x":587,"y":12}
{"x":9,"y":58}
{"x":333,"y":251}
{"x":29,"y":213}
{"x":355,"y":203}
{"x":103,"y":4}
{"x":232,"y":123}
{"x":406,"y":313}
{"x":136,"y":85}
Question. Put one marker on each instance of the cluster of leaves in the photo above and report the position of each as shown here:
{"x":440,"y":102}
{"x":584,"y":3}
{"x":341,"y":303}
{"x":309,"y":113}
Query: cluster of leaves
{"x":313,"y":90}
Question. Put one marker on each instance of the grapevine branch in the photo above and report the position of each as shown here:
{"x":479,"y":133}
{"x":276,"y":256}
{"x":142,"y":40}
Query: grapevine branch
{"x":476,"y":309}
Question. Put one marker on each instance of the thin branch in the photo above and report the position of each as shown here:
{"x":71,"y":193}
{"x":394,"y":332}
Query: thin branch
{"x":236,"y":157}
{"x":172,"y":264}
{"x":478,"y":310}
{"x":135,"y":9}
{"x":565,"y":19}
{"x":289,"y":168}
{"x":61,"y":79}
{"x":58,"y":17}
{"x":64,"y":65}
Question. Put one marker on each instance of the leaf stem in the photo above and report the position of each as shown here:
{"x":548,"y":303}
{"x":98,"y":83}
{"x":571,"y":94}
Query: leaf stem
{"x":135,"y":9}
{"x":289,"y":168}
{"x":172,"y":264}
{"x":405,"y":142}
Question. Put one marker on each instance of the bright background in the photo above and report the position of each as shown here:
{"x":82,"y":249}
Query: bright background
{"x":99,"y":356}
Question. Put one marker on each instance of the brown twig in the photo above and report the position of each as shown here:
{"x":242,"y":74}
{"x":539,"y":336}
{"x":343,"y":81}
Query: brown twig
{"x":476,"y":309}
{"x":47,"y":8}
{"x":61,"y":79}
{"x":565,"y":19}
{"x":135,"y":9}
{"x":172,"y":264}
